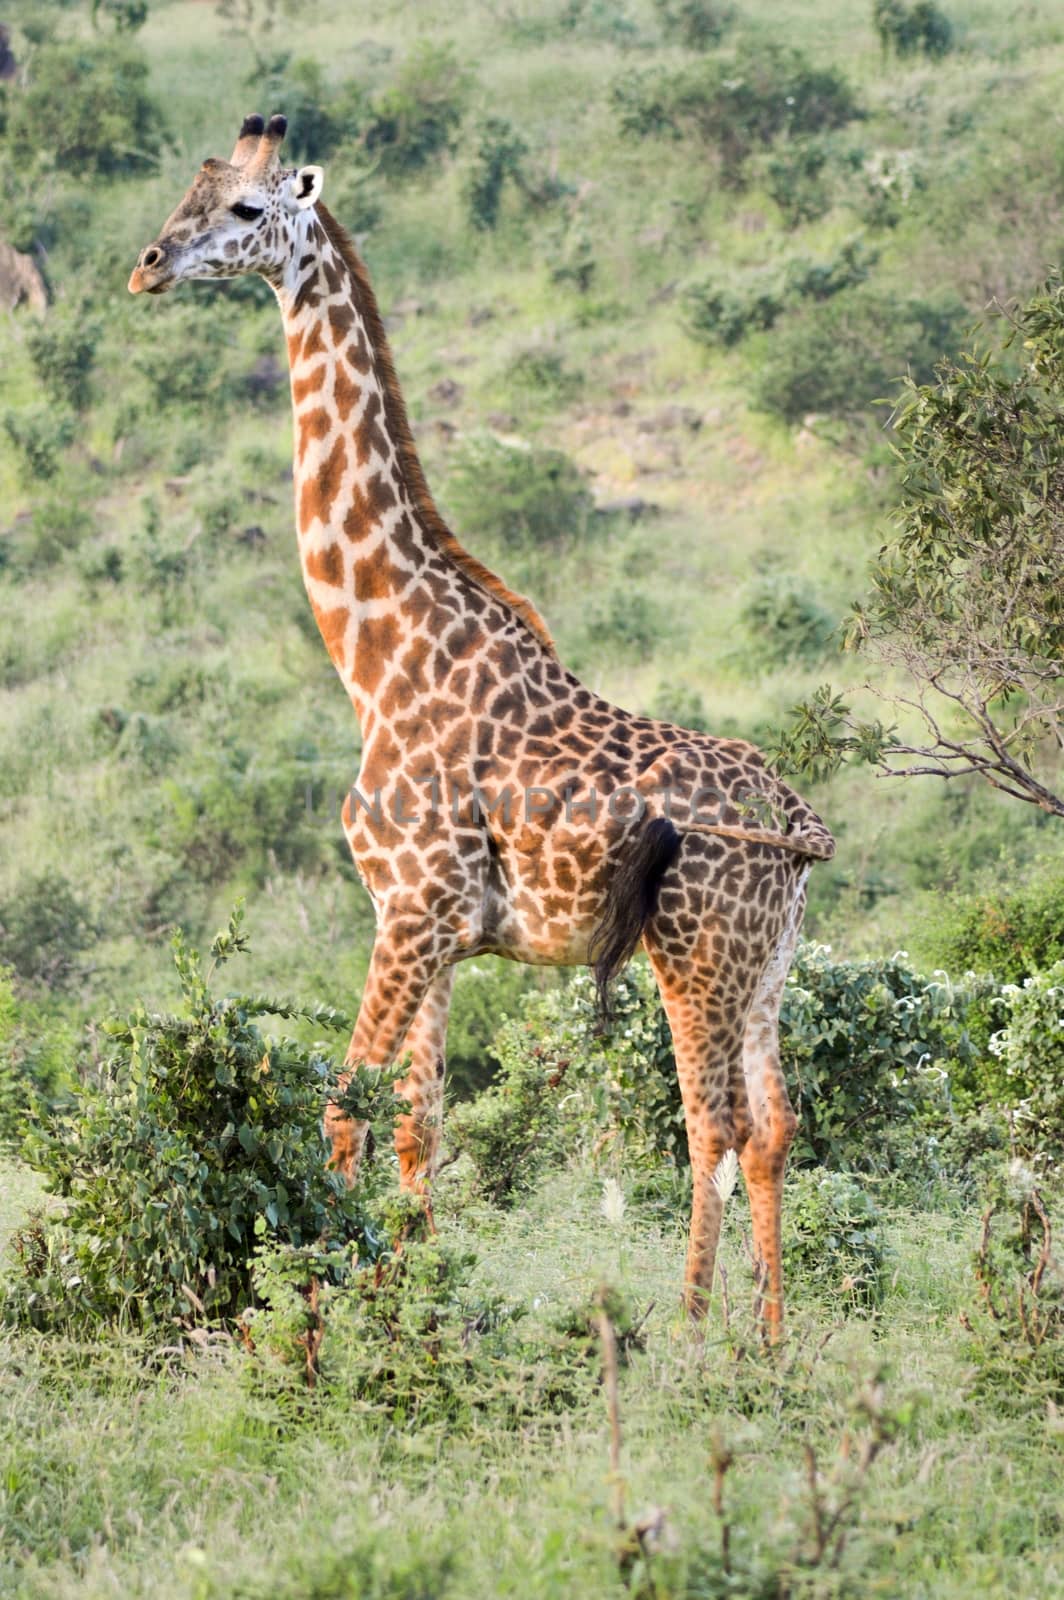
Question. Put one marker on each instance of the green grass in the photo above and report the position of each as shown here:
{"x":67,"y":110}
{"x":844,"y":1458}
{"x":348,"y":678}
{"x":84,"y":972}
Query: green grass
{"x":174,"y":1475}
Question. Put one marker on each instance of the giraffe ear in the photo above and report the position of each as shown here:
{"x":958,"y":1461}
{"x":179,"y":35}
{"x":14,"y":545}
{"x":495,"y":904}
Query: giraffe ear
{"x":304,"y":188}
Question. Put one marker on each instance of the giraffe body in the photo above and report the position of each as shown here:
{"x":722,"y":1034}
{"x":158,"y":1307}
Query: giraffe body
{"x":501,"y":806}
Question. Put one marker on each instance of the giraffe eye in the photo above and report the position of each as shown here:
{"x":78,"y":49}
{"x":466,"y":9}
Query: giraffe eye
{"x":246,"y":213}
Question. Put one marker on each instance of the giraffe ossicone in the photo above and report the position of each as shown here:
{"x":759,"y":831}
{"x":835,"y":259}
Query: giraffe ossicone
{"x":458,"y":689}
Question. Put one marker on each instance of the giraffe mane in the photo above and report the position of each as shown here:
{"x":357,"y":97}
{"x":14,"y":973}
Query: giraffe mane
{"x":410,"y":463}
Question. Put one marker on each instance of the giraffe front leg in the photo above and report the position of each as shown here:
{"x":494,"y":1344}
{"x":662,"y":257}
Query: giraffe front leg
{"x":396,"y":984}
{"x":417,"y":1134}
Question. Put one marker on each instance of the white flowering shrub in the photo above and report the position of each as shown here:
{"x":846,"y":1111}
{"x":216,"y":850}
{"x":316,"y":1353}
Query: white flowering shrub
{"x":1029,"y":1056}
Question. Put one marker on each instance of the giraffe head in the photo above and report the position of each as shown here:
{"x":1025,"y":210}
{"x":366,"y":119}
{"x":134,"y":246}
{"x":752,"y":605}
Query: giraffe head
{"x":239,"y":216}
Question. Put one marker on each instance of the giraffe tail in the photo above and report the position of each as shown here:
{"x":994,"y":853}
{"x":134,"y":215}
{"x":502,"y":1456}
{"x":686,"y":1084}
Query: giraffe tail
{"x":631,"y":899}
{"x":815,"y":841}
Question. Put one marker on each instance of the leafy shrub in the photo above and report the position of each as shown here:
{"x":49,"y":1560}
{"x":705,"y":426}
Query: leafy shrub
{"x":832,"y":1239}
{"x":182,"y":364}
{"x":865,"y":1044}
{"x":737,"y":105}
{"x":126,"y":16}
{"x":1009,"y":934}
{"x":63,"y":349}
{"x":485,"y":993}
{"x":1029,"y":1052}
{"x":316,"y":114}
{"x":35,"y":1057}
{"x":865,"y":1047}
{"x":510,"y":1131}
{"x":723,"y":312}
{"x":59,"y":523}
{"x":232,"y":809}
{"x":909,"y":30}
{"x":542,"y":372}
{"x":93,"y":100}
{"x":44,"y":928}
{"x":697,"y":24}
{"x":40,"y":433}
{"x":796,"y":176}
{"x":629,"y":621}
{"x":530,"y":497}
{"x":839,"y":356}
{"x":405,"y":1336}
{"x":681,"y":705}
{"x":819,"y":280}
{"x":416,"y":122}
{"x":499,"y":153}
{"x":203,"y":1143}
{"x":785,"y":620}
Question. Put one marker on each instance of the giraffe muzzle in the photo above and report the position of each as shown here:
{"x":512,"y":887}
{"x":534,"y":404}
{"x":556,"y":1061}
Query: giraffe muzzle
{"x":153,"y":272}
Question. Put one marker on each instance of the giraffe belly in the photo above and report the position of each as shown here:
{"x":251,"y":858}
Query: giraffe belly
{"x":542,"y":906}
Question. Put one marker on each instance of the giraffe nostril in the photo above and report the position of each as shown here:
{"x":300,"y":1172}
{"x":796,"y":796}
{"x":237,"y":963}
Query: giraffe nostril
{"x":152,"y":256}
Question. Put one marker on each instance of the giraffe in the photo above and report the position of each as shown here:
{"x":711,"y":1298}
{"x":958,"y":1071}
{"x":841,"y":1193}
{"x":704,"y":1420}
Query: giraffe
{"x":501,"y":806}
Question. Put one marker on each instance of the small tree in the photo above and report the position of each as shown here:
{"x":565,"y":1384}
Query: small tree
{"x":968,"y":596}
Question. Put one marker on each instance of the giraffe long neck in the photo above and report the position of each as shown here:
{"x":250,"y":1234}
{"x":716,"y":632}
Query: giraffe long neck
{"x":376,"y":556}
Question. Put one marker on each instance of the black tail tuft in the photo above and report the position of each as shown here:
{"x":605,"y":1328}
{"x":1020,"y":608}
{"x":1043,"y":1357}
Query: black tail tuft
{"x":631,"y":899}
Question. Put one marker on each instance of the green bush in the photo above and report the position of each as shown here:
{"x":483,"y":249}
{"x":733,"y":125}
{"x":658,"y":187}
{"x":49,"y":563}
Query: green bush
{"x":697,"y":24}
{"x":723,"y":311}
{"x":188,"y":363}
{"x":36,"y":1055}
{"x":735,"y":105}
{"x":866,"y":1048}
{"x":415,"y":122}
{"x":510,"y":1132}
{"x":785,"y":620}
{"x":543,"y":374}
{"x":202,"y":1144}
{"x":819,"y":280}
{"x":63,"y":350}
{"x":40,"y":433}
{"x":59,"y":524}
{"x":485,"y":992}
{"x":93,"y":100}
{"x":888,"y":181}
{"x":681,"y":705}
{"x":499,"y":153}
{"x":231,"y":810}
{"x":629,"y":621}
{"x":529,"y":497}
{"x":832,"y":1238}
{"x":45,"y":926}
{"x":909,"y":30}
{"x":1009,"y":934}
{"x":318,"y":117}
{"x":797,"y":178}
{"x":1029,"y":1057}
{"x":839,"y":356}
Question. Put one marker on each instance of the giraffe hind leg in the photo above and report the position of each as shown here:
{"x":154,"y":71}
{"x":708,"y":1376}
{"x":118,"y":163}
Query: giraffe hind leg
{"x":773,"y":1122}
{"x":706,"y":1016}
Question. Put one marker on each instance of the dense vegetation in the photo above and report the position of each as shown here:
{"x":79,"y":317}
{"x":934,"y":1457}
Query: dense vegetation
{"x":650,"y":269}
